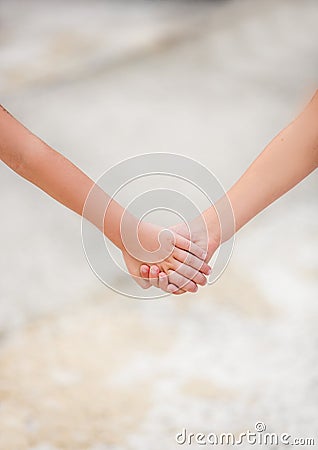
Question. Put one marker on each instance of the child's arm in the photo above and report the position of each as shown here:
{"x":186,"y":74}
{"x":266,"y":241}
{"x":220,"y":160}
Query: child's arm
{"x":288,"y":159}
{"x":35,"y":161}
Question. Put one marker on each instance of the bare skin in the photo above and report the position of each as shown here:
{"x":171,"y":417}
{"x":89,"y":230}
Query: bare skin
{"x":35,"y":161}
{"x":289,"y":158}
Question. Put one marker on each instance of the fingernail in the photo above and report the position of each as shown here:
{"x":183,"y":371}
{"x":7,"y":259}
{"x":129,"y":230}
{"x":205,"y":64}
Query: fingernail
{"x":209,"y":271}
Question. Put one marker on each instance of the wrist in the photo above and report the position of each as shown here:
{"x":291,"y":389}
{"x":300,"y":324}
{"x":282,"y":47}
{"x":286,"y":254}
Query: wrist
{"x":220,"y":221}
{"x":213,"y":228}
{"x":118,"y":222}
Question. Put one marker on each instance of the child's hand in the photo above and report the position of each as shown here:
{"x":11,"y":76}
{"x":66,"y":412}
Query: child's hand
{"x":200,"y":235}
{"x":177,"y":255}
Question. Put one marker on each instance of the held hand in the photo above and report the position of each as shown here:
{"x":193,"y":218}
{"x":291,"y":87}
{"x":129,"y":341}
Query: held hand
{"x":209,"y":240}
{"x":182,"y":257}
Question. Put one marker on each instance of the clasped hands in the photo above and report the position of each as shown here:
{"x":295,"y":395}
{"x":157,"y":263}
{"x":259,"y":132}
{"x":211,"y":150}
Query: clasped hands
{"x":173,"y":259}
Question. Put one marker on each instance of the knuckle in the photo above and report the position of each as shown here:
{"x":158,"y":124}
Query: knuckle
{"x":194,"y":249}
{"x":181,"y":281}
{"x":190,"y":272}
{"x":172,"y":277}
{"x":191,"y":260}
{"x":184,"y":270}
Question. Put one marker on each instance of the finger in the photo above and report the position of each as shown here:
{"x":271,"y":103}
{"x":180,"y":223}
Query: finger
{"x":173,"y":289}
{"x":143,"y":280}
{"x":168,"y":287}
{"x":163,"y":281}
{"x":182,"y":282}
{"x":153,"y":276}
{"x":191,"y":260}
{"x":185,"y":244}
{"x":144,"y":271}
{"x":191,"y":274}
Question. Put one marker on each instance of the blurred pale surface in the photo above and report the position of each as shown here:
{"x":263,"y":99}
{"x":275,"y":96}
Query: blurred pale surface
{"x":82,"y":368}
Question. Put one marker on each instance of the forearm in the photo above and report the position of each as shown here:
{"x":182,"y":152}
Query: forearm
{"x":35,"y":161}
{"x":288,"y":159}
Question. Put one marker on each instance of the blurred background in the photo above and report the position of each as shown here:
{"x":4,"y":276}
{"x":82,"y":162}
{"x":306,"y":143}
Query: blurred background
{"x":84,"y":368}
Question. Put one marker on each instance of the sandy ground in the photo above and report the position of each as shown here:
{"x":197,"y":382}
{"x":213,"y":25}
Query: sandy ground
{"x":84,"y":368}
